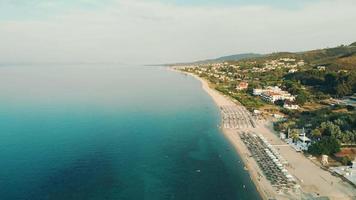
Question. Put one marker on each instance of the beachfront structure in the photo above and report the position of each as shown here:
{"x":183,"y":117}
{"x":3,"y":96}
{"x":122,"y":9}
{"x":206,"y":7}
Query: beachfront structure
{"x":272,"y":94}
{"x":235,"y":117}
{"x":270,"y":162}
{"x":325,"y":160}
{"x":242,"y":86}
{"x":304,"y":139}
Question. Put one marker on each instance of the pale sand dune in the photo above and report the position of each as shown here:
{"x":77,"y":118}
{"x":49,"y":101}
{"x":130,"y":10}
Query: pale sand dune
{"x":313,"y":180}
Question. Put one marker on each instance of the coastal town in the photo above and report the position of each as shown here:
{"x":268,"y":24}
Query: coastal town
{"x":292,"y":136}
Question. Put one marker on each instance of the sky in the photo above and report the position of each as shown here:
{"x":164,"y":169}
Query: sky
{"x":166,"y":31}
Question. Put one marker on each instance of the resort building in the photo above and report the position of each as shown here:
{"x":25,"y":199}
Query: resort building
{"x":272,"y":94}
{"x":242,"y":86}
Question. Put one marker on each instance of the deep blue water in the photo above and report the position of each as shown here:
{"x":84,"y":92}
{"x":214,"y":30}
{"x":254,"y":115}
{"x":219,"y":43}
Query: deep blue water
{"x":109,"y":132}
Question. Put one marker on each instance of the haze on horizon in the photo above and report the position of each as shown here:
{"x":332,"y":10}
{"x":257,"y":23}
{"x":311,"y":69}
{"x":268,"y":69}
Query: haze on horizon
{"x":163,"y":31}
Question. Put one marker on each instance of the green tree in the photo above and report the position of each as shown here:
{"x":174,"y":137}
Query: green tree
{"x":294,"y":134}
{"x":327,"y":146}
{"x":343,"y":89}
{"x":301,"y":98}
{"x":330,"y":129}
{"x":316,"y":133}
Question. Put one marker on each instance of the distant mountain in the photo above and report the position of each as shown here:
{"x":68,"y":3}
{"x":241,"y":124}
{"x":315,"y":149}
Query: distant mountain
{"x":235,"y":57}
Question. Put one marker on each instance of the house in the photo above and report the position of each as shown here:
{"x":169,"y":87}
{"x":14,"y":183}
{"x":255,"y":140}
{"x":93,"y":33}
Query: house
{"x":292,"y":70}
{"x":321,"y":68}
{"x":271,"y":96}
{"x":290,"y":106}
{"x":242,"y":86}
{"x":257,"y":92}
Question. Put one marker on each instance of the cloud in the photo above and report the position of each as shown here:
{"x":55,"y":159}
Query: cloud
{"x":137,"y":31}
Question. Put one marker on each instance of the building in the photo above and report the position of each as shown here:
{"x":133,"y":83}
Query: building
{"x":325,"y":160}
{"x":290,"y":106}
{"x":287,"y":59}
{"x":348,"y":172}
{"x":292,"y":70}
{"x":242,"y":86}
{"x":275,"y":95}
{"x":257,"y":92}
{"x":272,"y":94}
{"x":321,"y":68}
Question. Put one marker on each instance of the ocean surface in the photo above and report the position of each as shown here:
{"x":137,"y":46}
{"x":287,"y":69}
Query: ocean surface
{"x":77,"y":132}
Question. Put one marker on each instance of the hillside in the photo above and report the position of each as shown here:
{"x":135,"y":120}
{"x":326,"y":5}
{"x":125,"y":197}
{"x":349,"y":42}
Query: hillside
{"x":235,"y":57}
{"x":337,"y":58}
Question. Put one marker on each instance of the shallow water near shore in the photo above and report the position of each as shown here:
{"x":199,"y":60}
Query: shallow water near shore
{"x":112,"y":132}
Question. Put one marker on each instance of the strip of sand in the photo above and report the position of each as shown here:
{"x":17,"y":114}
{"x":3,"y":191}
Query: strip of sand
{"x":314,"y":181}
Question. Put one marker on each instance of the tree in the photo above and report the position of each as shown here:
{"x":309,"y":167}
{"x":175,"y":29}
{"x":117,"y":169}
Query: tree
{"x":316,"y":133}
{"x":327,"y":146}
{"x":350,"y":108}
{"x":330,"y":79}
{"x":301,"y":98}
{"x":292,"y":86}
{"x":349,"y":137}
{"x":343,"y":89}
{"x":330,"y":129}
{"x":279,"y":102}
{"x":294,"y":134}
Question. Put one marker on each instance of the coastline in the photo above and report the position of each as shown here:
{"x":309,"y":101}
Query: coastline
{"x":314,"y":182}
{"x":262,"y":185}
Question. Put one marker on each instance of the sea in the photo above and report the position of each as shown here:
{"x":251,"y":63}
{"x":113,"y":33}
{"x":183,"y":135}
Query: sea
{"x":113,"y":132}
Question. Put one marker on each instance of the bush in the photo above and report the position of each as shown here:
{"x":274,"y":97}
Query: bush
{"x":350,"y":108}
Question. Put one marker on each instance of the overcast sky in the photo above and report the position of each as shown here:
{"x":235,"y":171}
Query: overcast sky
{"x":161,"y":31}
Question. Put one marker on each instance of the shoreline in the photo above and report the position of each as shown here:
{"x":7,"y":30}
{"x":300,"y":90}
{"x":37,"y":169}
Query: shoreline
{"x":314,"y":182}
{"x":264,"y":189}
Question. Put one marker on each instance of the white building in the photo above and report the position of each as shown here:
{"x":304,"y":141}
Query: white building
{"x":292,"y":70}
{"x":273,"y":94}
{"x":257,"y":92}
{"x":321,"y":68}
{"x":290,"y":106}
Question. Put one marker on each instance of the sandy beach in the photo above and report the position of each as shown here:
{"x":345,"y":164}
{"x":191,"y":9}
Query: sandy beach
{"x":314,"y":182}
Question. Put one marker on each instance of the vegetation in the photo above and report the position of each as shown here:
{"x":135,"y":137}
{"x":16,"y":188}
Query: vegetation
{"x":313,"y":77}
{"x":327,"y":146}
{"x":338,"y":84}
{"x":346,"y":161}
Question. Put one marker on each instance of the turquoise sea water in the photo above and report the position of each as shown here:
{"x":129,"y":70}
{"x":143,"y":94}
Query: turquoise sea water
{"x":109,"y":132}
